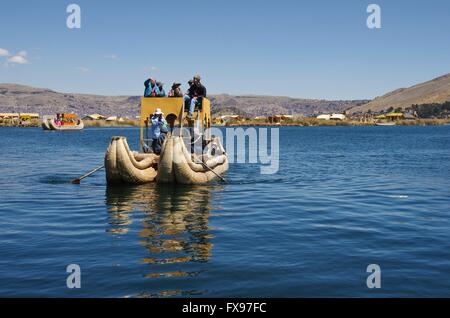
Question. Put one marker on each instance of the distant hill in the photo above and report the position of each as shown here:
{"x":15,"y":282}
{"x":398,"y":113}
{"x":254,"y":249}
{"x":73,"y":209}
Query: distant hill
{"x":255,"y":105}
{"x":434,"y":91}
{"x":20,"y":98}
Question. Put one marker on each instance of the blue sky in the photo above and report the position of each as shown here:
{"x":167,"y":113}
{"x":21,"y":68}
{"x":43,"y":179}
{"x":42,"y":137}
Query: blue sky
{"x":310,"y":49}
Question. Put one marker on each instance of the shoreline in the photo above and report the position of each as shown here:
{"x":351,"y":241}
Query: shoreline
{"x":307,"y":122}
{"x":312,"y":122}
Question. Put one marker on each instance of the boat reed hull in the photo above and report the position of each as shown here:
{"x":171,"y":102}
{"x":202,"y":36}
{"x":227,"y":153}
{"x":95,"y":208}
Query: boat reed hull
{"x":385,"y":124}
{"x":194,"y":170}
{"x":45,"y":125}
{"x":174,"y":165}
{"x":166,"y":174}
{"x":124,"y":166}
{"x":51,"y":125}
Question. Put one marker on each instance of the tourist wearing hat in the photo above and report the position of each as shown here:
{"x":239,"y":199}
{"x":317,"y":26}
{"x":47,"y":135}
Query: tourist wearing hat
{"x":159,"y":129}
{"x":162,"y":92}
{"x":186,"y":97}
{"x":190,"y":83}
{"x":176,"y":90}
{"x":196,"y":92}
{"x":151,"y":88}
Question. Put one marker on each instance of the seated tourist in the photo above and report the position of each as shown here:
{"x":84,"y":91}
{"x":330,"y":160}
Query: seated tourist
{"x":176,"y":90}
{"x":151,"y":89}
{"x":162,"y":92}
{"x":196,"y":92}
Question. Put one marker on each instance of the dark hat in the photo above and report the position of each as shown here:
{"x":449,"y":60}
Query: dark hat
{"x":190,"y":82}
{"x":176,"y":84}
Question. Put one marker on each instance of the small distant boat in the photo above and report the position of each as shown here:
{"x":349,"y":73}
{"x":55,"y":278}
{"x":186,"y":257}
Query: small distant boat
{"x":62,"y":122}
{"x":386,"y":123}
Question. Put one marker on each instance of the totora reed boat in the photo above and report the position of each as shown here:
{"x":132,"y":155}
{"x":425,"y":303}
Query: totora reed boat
{"x":385,"y":123}
{"x":177,"y":162}
{"x":62,"y":122}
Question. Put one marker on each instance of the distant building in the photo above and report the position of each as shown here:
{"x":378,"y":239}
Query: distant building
{"x":94,"y":117}
{"x":235,"y":117}
{"x":409,"y":116}
{"x":115,"y":118}
{"x":395,"y":116}
{"x":279,"y":118}
{"x":324,"y":117}
{"x":28,"y":116}
{"x":230,"y":118}
{"x":9,"y":115}
{"x":32,"y":115}
{"x":217,"y":121}
{"x":337,"y":117}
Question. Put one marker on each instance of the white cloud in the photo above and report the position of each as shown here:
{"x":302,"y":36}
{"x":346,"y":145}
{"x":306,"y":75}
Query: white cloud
{"x":18,"y":59}
{"x":112,"y":56}
{"x":150,"y":69}
{"x":4,"y":52}
{"x":83,"y":69}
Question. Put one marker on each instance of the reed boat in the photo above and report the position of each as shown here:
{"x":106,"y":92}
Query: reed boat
{"x":176,"y":163}
{"x":45,"y":122}
{"x":386,"y":123}
{"x":62,"y":122}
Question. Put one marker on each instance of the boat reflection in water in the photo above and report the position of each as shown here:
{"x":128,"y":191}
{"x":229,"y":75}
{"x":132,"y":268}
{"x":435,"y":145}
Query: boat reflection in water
{"x":173,"y":226}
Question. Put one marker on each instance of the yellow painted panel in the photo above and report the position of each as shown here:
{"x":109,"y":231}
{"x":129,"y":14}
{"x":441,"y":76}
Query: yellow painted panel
{"x":172,"y":106}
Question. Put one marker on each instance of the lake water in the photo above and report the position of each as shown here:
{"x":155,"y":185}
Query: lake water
{"x":344,"y":198}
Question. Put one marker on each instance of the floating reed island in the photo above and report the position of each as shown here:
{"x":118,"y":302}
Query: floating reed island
{"x":313,"y":122}
{"x":234,"y":120}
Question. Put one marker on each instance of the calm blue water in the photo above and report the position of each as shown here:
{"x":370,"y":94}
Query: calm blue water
{"x":344,"y":197}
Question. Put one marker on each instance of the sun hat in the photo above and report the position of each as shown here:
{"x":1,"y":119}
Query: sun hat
{"x":158,"y":111}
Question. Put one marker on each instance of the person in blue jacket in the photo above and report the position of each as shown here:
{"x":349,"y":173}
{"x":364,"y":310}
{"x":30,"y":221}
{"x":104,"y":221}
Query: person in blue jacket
{"x":162,"y":92}
{"x":151,"y":89}
{"x":159,"y":130}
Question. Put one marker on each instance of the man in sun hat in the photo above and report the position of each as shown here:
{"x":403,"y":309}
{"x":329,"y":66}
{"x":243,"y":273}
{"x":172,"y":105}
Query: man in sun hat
{"x":176,"y":90}
{"x":159,"y":129}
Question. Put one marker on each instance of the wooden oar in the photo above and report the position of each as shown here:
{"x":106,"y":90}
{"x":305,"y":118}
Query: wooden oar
{"x":77,"y":181}
{"x":182,"y":119}
{"x":206,"y":166}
